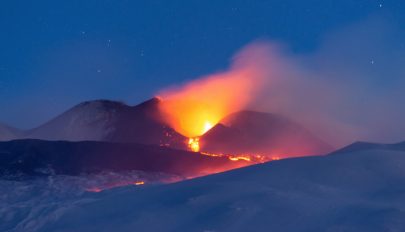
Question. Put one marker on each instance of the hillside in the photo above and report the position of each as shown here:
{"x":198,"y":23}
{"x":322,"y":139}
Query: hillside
{"x":360,"y":190}
{"x":104,"y":120}
{"x":247,"y":132}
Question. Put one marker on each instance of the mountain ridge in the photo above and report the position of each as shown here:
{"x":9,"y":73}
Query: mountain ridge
{"x":242,"y":132}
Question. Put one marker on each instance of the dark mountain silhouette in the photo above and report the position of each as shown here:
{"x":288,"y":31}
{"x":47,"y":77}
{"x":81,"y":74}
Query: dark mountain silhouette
{"x":262,"y":133}
{"x":104,"y":120}
{"x":37,"y":157}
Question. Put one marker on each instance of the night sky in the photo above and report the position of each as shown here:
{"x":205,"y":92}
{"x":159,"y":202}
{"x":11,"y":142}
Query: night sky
{"x":55,"y":54}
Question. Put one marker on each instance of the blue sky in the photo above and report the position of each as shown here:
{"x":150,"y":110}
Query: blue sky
{"x":55,"y":54}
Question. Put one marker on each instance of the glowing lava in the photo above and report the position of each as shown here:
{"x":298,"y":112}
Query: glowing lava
{"x":251,"y":158}
{"x":237,"y":158}
{"x":139,"y":182}
{"x":194,"y":144}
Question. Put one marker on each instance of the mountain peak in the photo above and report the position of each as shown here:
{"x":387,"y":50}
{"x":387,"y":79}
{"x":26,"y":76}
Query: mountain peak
{"x":150,"y":104}
{"x":101,"y":103}
{"x":105,"y":120}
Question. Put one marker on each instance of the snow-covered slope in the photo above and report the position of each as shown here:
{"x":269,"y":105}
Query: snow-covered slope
{"x":353,"y":190}
{"x":8,"y":133}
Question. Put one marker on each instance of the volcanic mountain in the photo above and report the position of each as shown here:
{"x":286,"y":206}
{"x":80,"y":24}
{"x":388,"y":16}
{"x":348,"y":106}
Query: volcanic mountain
{"x":244,"y":132}
{"x":104,"y":120}
{"x":248,"y":132}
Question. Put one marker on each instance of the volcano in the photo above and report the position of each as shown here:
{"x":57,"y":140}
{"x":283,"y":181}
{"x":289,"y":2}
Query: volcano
{"x":104,"y":120}
{"x":243,"y":132}
{"x":248,"y":132}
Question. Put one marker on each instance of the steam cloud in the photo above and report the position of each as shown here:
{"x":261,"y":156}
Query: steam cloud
{"x":352,"y":87}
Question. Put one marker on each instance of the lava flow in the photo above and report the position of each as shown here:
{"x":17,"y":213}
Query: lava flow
{"x":194,"y":146}
{"x":251,"y":158}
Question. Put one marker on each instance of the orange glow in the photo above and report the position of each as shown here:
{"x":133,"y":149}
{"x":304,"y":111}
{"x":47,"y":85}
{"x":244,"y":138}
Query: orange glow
{"x":194,"y":144}
{"x":237,"y":158}
{"x":212,"y":154}
{"x":253,"y":159}
{"x":207,"y":126}
{"x":139,"y":183}
{"x":195,"y":107}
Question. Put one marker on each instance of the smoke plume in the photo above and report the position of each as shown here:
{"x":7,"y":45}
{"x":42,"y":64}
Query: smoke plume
{"x":351,"y":87}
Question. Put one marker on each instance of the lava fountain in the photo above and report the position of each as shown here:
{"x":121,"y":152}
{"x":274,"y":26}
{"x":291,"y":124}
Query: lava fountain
{"x":195,"y":107}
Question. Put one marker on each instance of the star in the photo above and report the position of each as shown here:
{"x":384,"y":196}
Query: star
{"x":371,"y":61}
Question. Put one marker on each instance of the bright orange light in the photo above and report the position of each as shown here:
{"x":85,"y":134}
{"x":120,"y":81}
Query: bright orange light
{"x":207,"y":126}
{"x":190,"y":116}
{"x":194,"y":108}
{"x":237,"y":158}
{"x":139,"y":183}
{"x":194,"y":144}
{"x":252,"y":158}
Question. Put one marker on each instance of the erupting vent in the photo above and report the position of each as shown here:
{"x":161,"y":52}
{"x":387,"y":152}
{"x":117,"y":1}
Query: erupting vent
{"x":194,"y":144}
